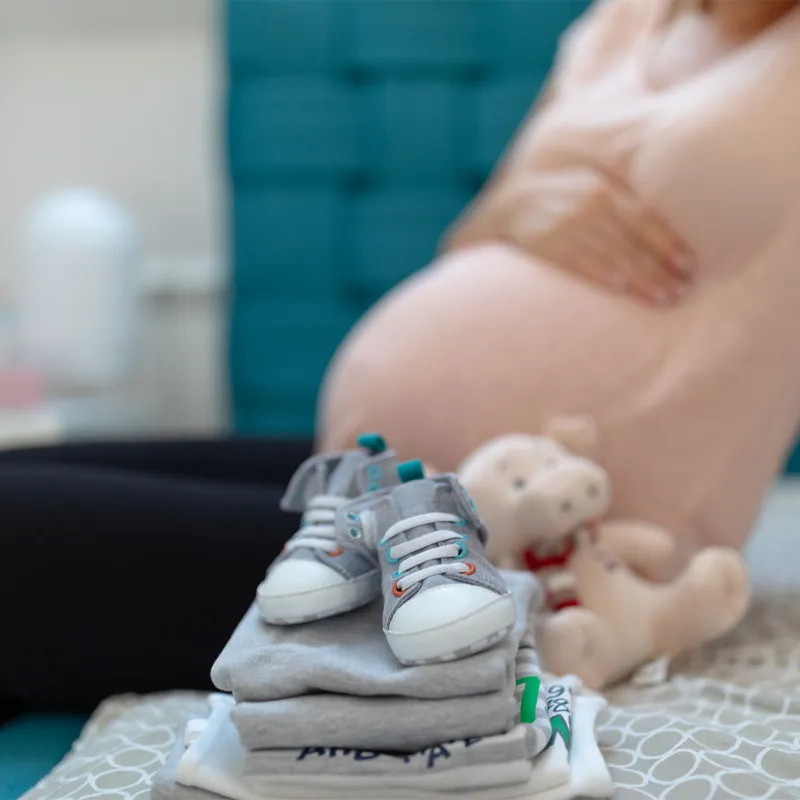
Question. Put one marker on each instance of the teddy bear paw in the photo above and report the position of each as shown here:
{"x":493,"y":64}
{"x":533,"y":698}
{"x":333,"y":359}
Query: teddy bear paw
{"x":570,"y":642}
{"x":720,"y":578}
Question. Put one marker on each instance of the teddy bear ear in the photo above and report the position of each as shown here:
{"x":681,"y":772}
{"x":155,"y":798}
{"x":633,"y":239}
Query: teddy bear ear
{"x":578,"y":434}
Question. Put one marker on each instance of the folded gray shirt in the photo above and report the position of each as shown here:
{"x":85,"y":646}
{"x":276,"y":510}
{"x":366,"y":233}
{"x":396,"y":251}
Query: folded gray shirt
{"x":400,"y":724}
{"x":348,"y":655}
{"x":523,"y":742}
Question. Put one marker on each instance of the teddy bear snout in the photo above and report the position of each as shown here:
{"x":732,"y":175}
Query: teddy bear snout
{"x":560,"y":502}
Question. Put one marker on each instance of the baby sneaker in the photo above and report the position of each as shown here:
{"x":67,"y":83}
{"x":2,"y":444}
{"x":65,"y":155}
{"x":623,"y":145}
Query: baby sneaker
{"x":313,"y":577}
{"x":443,"y":599}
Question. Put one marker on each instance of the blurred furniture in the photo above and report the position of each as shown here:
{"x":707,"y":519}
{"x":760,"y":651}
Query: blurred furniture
{"x":357,"y":129}
{"x":76,"y":291}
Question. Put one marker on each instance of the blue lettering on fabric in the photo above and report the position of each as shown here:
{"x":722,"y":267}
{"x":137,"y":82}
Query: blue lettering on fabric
{"x":435,"y":753}
{"x":430,"y":755}
{"x":366,"y":755}
{"x":310,"y":751}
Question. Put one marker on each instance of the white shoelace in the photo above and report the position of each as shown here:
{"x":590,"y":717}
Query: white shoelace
{"x":441,"y":544}
{"x":318,"y":531}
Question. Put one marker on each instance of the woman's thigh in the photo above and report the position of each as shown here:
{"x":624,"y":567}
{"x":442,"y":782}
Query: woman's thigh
{"x":115,"y":581}
{"x":233,"y":460}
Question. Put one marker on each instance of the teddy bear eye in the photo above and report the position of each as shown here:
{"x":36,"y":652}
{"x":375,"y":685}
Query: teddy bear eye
{"x":591,"y":490}
{"x":520,"y":483}
{"x":566,"y":506}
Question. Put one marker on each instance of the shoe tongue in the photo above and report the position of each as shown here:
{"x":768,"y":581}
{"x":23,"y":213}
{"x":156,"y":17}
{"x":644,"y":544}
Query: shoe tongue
{"x":418,"y":497}
{"x":422,"y":496}
{"x":311,"y":479}
{"x":343,"y":481}
{"x":442,"y":493}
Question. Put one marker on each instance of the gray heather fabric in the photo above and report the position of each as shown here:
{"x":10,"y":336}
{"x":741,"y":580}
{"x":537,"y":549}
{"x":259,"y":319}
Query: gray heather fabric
{"x":310,"y":479}
{"x":349,"y":655}
{"x":509,"y":746}
{"x":374,"y":723}
{"x":345,"y":475}
{"x":164,"y":787}
{"x":372,"y":516}
{"x":520,"y":743}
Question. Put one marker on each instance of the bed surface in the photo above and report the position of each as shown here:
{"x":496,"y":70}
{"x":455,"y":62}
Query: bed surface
{"x":727,"y":724}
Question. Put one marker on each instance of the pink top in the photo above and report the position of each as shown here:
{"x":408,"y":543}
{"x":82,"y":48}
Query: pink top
{"x":696,"y":404}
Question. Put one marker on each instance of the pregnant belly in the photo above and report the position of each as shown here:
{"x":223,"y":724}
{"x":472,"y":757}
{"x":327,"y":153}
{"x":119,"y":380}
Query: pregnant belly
{"x":489,"y":341}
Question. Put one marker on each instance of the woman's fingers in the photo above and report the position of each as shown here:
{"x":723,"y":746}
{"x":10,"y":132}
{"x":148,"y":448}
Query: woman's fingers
{"x":591,"y":256}
{"x":641,"y":267}
{"x":656,"y":263}
{"x":585,"y":222}
{"x":653,"y":234}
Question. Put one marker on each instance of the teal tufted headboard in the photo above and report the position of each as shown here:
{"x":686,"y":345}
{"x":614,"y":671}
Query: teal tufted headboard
{"x":357,"y":129}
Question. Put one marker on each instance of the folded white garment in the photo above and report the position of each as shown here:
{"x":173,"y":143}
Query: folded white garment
{"x":214,"y":763}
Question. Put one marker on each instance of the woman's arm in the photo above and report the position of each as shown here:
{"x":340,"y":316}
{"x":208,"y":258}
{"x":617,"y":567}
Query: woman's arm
{"x":564,"y":207}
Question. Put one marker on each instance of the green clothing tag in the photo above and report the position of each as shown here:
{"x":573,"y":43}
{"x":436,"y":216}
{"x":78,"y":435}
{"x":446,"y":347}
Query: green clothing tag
{"x":530,"y":695}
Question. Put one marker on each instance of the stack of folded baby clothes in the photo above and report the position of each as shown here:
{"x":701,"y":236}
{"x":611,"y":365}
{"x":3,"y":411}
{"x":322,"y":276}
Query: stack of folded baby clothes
{"x":386,"y":657}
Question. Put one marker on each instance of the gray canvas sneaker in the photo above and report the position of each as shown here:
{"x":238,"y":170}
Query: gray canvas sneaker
{"x":443,"y":599}
{"x":314,"y":577}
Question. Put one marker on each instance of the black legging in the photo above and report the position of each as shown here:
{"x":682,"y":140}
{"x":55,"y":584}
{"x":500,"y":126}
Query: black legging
{"x":125,"y":567}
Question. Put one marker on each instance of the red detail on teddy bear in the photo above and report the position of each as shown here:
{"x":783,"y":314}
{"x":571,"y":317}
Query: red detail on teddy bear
{"x":535,"y":563}
{"x":558,"y":561}
{"x":566,"y":604}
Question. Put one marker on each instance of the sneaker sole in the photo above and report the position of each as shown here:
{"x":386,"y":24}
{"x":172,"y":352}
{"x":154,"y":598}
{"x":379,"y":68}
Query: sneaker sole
{"x":314,"y":604}
{"x":471,"y":634}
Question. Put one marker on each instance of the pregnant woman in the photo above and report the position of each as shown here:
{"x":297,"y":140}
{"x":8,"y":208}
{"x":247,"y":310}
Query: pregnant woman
{"x":635,"y":257}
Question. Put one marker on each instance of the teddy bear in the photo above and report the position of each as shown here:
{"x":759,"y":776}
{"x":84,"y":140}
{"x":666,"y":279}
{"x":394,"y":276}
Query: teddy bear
{"x":617,"y":596}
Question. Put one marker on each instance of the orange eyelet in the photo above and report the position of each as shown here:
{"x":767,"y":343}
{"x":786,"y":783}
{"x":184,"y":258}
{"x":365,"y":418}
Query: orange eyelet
{"x":470,"y":570}
{"x":396,"y":591}
{"x":337,"y":552}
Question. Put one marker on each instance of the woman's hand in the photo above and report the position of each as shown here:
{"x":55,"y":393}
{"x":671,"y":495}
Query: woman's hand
{"x":583,"y":221}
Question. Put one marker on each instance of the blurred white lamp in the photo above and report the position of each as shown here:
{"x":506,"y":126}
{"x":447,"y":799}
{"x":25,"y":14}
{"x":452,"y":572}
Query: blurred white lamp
{"x":76,"y":291}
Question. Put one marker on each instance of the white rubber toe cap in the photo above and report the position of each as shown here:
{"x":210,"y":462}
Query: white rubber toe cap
{"x":297,"y":576}
{"x":439,"y":607}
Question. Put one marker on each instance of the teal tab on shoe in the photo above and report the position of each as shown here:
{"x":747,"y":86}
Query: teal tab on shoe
{"x":410,"y":471}
{"x":373,"y":442}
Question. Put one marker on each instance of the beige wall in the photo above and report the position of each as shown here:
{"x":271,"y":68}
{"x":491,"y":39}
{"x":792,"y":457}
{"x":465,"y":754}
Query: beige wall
{"x":124,"y":97}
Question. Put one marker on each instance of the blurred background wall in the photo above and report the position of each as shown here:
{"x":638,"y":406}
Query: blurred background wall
{"x":285,"y":161}
{"x":357,"y":130}
{"x":124,"y":97}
